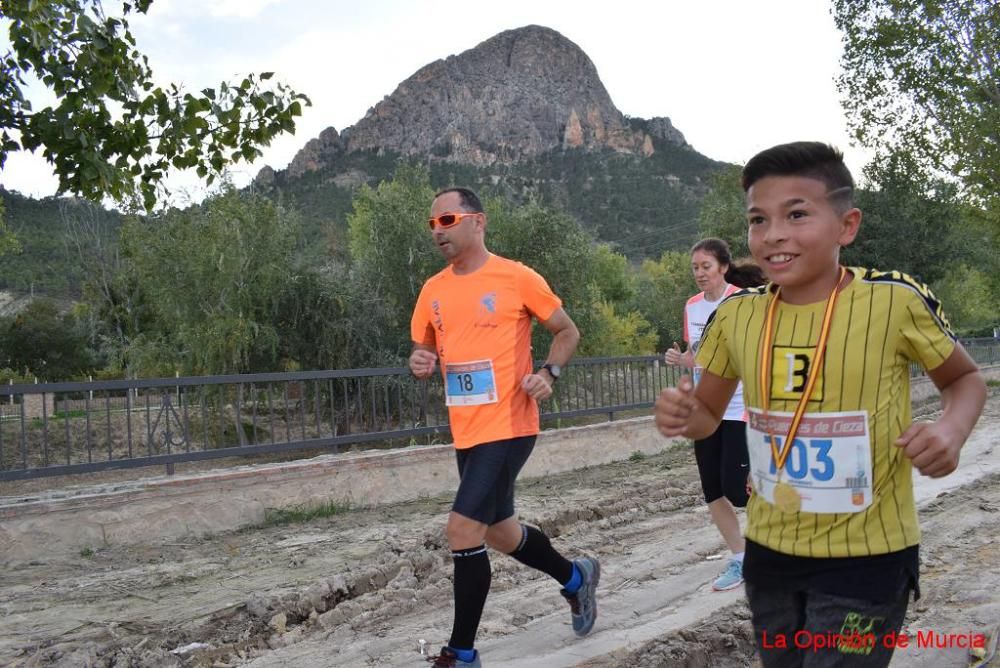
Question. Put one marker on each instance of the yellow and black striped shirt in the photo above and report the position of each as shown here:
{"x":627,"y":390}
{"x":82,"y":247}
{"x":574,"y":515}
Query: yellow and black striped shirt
{"x":882,"y":322}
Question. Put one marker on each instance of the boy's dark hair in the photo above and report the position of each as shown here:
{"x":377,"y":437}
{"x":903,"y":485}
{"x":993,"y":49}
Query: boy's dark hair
{"x":811,"y":159}
{"x":468,"y":199}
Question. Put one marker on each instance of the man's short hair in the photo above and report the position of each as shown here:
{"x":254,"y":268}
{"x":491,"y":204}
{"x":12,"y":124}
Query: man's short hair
{"x":810,"y":159}
{"x":466,"y":198}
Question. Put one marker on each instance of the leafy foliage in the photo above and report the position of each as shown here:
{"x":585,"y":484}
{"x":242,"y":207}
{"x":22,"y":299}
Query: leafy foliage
{"x":972,"y":306}
{"x":912,"y":222}
{"x":614,"y":335}
{"x":214,"y":276}
{"x":237,"y":284}
{"x":583,"y":273}
{"x":318,"y":324}
{"x":723,"y":211}
{"x":389,"y":242}
{"x":40,"y":341}
{"x":637,"y":205}
{"x":113,"y":132}
{"x":924,"y":76}
{"x":664,"y":287}
{"x":391,"y":255}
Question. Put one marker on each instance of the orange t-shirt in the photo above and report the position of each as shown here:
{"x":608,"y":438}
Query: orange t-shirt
{"x":480,"y":326}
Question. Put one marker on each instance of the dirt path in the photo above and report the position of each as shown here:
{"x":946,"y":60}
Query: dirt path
{"x":360,"y":588}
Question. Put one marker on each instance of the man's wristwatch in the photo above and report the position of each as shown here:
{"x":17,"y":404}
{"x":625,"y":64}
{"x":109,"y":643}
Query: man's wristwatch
{"x":554,"y":370}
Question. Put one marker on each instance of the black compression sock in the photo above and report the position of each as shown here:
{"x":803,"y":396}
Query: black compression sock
{"x":536,"y":551}
{"x":472,"y":584}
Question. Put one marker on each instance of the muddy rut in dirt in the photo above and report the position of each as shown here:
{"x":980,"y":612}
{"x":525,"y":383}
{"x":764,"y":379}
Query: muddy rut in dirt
{"x":362,"y":587}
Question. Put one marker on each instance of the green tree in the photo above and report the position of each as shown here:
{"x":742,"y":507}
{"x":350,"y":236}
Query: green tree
{"x":40,"y":262}
{"x":924,"y":75}
{"x":613,"y":335}
{"x":723,"y":211}
{"x":590,"y":278}
{"x":116,"y":314}
{"x":111,"y":306}
{"x":113,"y":131}
{"x":664,"y":287}
{"x":613,"y":275}
{"x":326,"y":319}
{"x":41,"y":341}
{"x":552,"y":243}
{"x":392,"y":255}
{"x":969,"y":302}
{"x":912,"y":221}
{"x":214,"y":276}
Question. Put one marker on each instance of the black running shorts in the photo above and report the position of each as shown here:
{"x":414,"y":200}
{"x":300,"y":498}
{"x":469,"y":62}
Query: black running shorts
{"x":488,"y":472}
{"x":724,"y":464}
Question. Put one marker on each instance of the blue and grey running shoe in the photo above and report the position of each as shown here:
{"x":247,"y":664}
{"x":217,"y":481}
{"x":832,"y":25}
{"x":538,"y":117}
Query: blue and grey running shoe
{"x":583,"y":604}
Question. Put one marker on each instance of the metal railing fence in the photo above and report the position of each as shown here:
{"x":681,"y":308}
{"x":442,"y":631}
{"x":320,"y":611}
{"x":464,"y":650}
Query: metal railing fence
{"x":77,"y":427}
{"x":51,"y":429}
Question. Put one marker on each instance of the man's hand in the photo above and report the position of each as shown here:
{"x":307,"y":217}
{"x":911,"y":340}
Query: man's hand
{"x":933,"y":447}
{"x":536,"y":386}
{"x":674,"y":408}
{"x":422,"y":363}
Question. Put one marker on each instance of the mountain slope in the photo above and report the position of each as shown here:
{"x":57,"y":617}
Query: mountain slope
{"x":523,"y":114}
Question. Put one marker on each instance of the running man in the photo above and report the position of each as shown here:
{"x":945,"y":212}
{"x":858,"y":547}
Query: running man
{"x":475,"y":317}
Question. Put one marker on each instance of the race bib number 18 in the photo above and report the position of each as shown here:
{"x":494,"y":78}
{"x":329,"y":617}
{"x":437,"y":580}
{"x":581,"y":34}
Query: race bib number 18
{"x":829,"y":465}
{"x":470,"y":384}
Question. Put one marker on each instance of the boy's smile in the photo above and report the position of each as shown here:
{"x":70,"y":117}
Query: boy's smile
{"x":795,"y":233}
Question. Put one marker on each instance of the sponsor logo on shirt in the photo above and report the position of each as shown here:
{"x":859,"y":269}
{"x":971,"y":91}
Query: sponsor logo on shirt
{"x":487,"y":313}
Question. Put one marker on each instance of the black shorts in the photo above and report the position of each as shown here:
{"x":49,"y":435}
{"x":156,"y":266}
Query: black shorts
{"x":724,"y":463}
{"x":488,"y":472}
{"x":820,"y":630}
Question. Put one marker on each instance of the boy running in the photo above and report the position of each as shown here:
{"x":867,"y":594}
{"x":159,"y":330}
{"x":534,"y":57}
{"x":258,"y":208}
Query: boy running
{"x":824,"y":353}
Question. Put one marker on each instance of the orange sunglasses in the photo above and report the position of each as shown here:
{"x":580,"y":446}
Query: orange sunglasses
{"x":447,"y":220}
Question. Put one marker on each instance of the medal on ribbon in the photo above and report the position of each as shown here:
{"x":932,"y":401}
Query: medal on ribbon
{"x":786,"y":498}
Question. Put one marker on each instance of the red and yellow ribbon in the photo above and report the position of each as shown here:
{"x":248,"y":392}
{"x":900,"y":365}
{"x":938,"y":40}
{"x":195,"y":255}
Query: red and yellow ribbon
{"x":765,"y":371}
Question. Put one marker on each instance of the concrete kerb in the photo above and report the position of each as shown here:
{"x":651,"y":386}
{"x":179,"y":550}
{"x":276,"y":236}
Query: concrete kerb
{"x":167,"y":508}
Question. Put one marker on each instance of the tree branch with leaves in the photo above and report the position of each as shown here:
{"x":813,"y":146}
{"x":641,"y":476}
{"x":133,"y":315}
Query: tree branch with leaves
{"x":113,"y":132}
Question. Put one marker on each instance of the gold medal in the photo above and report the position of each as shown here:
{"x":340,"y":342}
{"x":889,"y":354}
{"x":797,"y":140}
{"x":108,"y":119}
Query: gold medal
{"x":786,"y":498}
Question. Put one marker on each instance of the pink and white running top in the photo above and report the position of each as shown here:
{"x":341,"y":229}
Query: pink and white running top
{"x":696,"y":314}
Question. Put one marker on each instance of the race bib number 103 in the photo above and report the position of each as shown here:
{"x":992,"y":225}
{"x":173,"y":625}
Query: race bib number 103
{"x":829,"y":465}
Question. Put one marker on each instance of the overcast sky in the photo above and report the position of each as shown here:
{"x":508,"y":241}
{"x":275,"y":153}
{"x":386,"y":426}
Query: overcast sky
{"x":734,"y":76}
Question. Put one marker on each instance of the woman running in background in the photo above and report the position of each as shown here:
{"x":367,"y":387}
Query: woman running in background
{"x":723,"y":462}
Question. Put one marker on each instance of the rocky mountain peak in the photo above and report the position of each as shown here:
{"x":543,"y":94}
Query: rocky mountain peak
{"x":518,"y":94}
